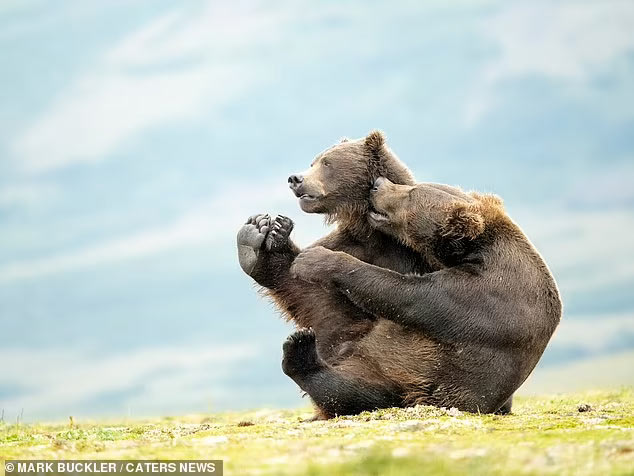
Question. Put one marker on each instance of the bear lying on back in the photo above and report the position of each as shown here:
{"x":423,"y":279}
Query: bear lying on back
{"x":491,"y":307}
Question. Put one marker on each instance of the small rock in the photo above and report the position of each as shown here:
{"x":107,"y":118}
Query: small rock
{"x":410,"y":425}
{"x":213,"y":440}
{"x":454,"y":412}
{"x":593,"y":421}
{"x":346,"y":424}
{"x":584,"y":407}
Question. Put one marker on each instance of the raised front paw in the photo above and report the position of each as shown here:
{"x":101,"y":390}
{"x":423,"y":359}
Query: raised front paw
{"x":250,"y":239}
{"x":300,"y":353}
{"x":314,"y":264}
{"x":280,"y":230}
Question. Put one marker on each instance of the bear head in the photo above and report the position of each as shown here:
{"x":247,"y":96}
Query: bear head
{"x":434,"y":219}
{"x":339,"y":179}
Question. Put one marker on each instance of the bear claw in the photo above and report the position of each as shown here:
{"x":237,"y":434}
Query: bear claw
{"x":300,"y":353}
{"x":280,"y":230}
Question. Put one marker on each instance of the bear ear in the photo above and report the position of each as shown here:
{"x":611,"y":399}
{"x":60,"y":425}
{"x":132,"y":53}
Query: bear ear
{"x":375,"y":141}
{"x":463,"y":221}
{"x":344,"y":139}
{"x":374,"y":144}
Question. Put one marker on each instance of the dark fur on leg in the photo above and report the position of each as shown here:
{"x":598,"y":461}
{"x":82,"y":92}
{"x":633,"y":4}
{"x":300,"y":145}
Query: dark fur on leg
{"x":334,"y":391}
{"x":506,"y":408}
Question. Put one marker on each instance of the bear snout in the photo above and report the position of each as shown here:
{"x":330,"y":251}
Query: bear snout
{"x":295,"y":180}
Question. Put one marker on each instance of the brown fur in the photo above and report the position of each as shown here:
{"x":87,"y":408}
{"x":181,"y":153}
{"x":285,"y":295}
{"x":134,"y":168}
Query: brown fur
{"x":343,"y":188}
{"x":465,"y":335}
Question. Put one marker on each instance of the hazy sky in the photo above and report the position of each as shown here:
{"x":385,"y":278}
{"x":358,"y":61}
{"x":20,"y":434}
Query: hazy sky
{"x":137,"y":136}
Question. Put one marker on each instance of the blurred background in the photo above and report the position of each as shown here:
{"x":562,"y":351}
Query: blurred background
{"x":137,"y":136}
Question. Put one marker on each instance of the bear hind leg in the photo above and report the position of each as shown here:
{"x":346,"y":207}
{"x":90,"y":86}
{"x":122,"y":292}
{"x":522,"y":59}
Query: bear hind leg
{"x":334,"y":390}
{"x":506,"y":408}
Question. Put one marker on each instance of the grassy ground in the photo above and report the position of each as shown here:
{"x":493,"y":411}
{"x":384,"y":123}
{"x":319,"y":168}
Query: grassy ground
{"x":547,"y":435}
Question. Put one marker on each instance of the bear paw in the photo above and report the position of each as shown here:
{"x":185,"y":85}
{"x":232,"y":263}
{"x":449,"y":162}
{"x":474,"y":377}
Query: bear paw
{"x":300,"y":353}
{"x":316,"y":264}
{"x":277,"y":239}
{"x":250,"y":239}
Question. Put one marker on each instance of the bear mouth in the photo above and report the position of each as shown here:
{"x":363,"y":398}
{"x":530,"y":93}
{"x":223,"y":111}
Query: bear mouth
{"x":377,"y":218}
{"x":307,"y":198}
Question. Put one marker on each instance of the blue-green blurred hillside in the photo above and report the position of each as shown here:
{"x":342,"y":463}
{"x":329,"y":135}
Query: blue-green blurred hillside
{"x":137,"y":136}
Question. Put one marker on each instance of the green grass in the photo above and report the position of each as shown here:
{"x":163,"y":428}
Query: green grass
{"x":544,"y":435}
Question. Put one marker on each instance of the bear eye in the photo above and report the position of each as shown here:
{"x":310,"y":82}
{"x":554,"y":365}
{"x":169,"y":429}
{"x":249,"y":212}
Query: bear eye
{"x":326,"y":163}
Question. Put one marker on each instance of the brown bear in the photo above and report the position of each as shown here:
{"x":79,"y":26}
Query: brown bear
{"x":466,"y":335}
{"x":337,"y":185}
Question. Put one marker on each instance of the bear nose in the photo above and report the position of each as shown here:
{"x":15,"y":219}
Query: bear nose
{"x":295,"y":179}
{"x":377,"y":183}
